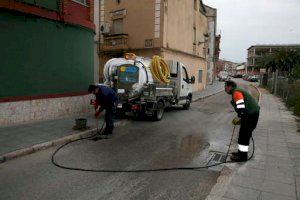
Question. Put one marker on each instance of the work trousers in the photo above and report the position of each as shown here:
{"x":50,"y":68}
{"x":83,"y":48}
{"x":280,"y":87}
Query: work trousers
{"x":109,"y":119}
{"x":248,"y":124}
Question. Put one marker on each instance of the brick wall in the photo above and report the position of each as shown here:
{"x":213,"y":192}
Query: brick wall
{"x":43,"y":109}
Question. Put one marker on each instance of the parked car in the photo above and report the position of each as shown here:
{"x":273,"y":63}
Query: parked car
{"x":238,"y":76}
{"x":245,"y":77}
{"x":223,"y":76}
{"x":254,"y":78}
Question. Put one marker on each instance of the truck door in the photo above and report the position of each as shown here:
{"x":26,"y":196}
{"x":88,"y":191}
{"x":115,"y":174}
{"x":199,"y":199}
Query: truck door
{"x":184,"y":82}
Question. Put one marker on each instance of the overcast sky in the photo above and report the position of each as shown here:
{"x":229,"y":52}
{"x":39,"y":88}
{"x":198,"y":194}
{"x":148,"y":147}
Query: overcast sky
{"x":243,"y":23}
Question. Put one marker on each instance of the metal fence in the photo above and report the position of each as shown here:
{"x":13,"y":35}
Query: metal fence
{"x":279,"y":84}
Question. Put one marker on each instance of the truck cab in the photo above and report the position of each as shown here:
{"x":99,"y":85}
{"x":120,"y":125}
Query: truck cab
{"x":180,"y":76}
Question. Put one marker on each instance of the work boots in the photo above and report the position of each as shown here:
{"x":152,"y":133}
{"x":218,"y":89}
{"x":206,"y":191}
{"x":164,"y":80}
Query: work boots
{"x":107,"y":131}
{"x":239,"y":156}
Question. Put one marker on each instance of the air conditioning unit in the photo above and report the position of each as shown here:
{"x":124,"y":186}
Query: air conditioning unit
{"x":105,"y":28}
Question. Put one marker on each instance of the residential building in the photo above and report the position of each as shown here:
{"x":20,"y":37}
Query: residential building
{"x":225,"y":65}
{"x":175,"y":30}
{"x":46,"y":58}
{"x":217,"y":47}
{"x":240,"y":69}
{"x":217,"y":51}
{"x":257,"y":51}
{"x":96,"y":40}
{"x":211,"y":14}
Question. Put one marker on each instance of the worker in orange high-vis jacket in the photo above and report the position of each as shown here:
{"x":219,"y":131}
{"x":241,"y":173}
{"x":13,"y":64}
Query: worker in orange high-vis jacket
{"x":247,"y":109}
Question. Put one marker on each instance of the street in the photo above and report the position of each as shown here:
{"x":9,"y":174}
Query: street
{"x":149,"y":100}
{"x":182,"y":139}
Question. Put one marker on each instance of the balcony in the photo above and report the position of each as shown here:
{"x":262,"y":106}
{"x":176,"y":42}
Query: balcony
{"x":116,"y":42}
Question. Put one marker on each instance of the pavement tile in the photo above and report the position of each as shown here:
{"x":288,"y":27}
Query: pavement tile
{"x":251,"y":172}
{"x":289,"y":140}
{"x":275,"y":141}
{"x":297,"y":181}
{"x":295,"y":152}
{"x":224,"y":198}
{"x":255,"y":162}
{"x":241,"y":193}
{"x":278,"y":161}
{"x":293,"y":145}
{"x":282,"y":174}
{"x":247,"y":182}
{"x":270,"y":196}
{"x":277,"y":148}
{"x":279,"y":188}
{"x":284,"y":154}
{"x":296,"y":172}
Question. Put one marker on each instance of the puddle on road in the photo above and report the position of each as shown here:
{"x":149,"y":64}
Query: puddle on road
{"x":203,"y":110}
{"x":181,"y":152}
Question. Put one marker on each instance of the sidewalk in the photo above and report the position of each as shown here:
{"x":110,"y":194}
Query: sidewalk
{"x":216,"y":87}
{"x":274,"y":172}
{"x":23,"y":139}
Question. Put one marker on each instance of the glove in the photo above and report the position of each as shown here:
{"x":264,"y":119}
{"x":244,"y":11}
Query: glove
{"x":236,"y":121}
{"x":97,"y":113}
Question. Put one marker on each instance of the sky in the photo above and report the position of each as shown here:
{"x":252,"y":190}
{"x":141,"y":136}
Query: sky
{"x":243,"y":23}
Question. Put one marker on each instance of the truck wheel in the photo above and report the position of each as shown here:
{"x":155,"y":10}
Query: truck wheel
{"x":159,"y":112}
{"x":187,"y":105}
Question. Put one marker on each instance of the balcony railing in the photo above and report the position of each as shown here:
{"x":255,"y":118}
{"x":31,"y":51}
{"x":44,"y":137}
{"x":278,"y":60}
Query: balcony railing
{"x":114,"y":43}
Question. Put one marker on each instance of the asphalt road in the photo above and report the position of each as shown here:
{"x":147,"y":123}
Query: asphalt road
{"x":182,"y":139}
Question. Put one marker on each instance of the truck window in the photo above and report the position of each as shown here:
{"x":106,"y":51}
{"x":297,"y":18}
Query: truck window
{"x":185,"y":75}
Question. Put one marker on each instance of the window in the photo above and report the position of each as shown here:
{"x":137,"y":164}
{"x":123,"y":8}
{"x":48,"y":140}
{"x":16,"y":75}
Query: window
{"x":195,"y":4}
{"x":149,"y":43}
{"x":185,"y":75}
{"x":118,"y":26}
{"x":200,"y":76}
{"x":80,"y":1}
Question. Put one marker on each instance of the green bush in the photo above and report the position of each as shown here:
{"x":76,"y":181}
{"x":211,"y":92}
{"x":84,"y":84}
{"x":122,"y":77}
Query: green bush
{"x":293,"y":95}
{"x":297,"y":107}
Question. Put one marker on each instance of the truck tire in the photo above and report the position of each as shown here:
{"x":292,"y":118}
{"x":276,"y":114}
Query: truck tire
{"x":188,"y":103}
{"x":159,"y":112}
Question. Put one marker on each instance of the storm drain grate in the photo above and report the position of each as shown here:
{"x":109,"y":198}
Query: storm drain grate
{"x":215,"y":159}
{"x":219,"y":157}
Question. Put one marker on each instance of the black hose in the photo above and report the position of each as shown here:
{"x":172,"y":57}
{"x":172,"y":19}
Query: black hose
{"x":141,"y":170}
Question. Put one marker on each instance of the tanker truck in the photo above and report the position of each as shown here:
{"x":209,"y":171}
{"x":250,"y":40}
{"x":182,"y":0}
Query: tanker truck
{"x":145,"y":87}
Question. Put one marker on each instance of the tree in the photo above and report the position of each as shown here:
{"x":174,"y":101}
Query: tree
{"x":285,"y":60}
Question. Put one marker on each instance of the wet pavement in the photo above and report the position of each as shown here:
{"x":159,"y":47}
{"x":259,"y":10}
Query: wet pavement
{"x":182,"y":139}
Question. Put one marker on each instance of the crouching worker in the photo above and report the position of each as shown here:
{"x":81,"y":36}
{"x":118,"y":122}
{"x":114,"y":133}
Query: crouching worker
{"x":248,"y":112}
{"x":106,"y":99}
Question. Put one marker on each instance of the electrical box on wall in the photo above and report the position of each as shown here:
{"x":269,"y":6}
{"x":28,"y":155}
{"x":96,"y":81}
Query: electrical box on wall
{"x":105,"y":28}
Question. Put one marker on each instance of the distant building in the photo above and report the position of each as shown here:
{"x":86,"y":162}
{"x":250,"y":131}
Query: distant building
{"x":177,"y":30}
{"x":257,"y":51}
{"x":240,"y":69}
{"x":225,"y":65}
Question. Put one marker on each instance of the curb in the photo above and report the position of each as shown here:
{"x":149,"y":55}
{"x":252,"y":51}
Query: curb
{"x":201,"y":98}
{"x":259,"y":100}
{"x":45,"y":145}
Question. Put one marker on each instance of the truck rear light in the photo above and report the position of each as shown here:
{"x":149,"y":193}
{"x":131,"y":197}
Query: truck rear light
{"x":136,"y":107}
